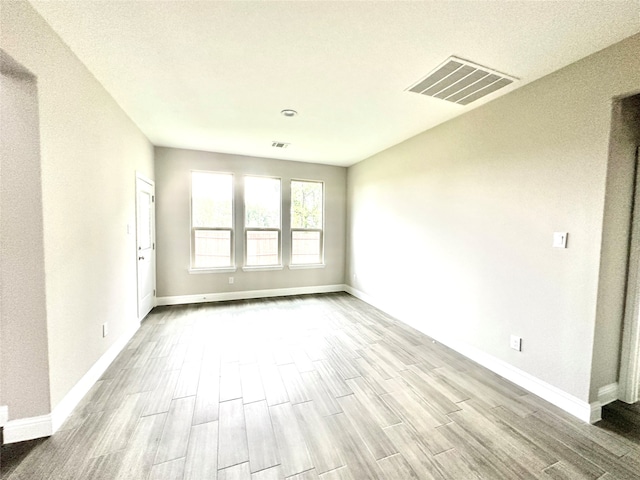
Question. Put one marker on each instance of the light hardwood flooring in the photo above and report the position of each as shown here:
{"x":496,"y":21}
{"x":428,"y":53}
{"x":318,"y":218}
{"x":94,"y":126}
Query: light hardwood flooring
{"x":314,"y":387}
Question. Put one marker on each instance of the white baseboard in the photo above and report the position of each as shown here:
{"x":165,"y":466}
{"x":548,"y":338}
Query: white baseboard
{"x":606,"y":395}
{"x":4,"y":415}
{"x":24,"y":429}
{"x":595,"y":412}
{"x":45,"y":425}
{"x":248,"y":294}
{"x":29,"y":428}
{"x":80,"y":389}
{"x":576,"y":407}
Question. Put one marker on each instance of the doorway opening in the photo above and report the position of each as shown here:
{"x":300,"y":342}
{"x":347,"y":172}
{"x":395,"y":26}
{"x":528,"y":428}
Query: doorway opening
{"x":629,"y":379}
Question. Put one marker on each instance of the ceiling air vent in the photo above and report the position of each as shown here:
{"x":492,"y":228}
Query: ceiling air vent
{"x":460,"y":81}
{"x":279,"y":144}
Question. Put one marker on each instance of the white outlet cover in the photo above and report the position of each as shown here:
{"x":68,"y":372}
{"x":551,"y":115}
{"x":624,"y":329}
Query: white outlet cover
{"x":516,"y":343}
{"x":560,"y":239}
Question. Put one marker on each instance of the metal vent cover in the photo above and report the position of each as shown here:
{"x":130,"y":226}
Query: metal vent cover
{"x":461,"y":81}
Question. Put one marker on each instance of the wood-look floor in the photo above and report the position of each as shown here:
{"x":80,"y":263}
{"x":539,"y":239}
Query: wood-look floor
{"x":302,"y":388}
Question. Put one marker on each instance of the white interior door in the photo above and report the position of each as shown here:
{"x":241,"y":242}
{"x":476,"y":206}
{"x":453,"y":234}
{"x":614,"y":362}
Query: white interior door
{"x":146,"y":245}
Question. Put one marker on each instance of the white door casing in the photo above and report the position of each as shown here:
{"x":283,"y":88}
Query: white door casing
{"x":145,"y":244}
{"x":629,"y":381}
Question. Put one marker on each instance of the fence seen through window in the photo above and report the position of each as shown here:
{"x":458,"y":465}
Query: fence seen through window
{"x":306,"y":222}
{"x":262,"y":200}
{"x":212,"y":219}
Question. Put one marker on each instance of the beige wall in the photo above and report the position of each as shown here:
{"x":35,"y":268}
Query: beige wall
{"x":451,"y":230}
{"x":89,"y":153}
{"x":24,"y":368}
{"x":173,"y":167}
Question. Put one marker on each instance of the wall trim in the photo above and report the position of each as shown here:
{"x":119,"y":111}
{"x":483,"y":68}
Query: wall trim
{"x":4,"y":415}
{"x":45,"y":425}
{"x":606,"y":395}
{"x":80,"y":389}
{"x":595,"y":412}
{"x":546,"y":391}
{"x":29,"y":428}
{"x":249,"y":294}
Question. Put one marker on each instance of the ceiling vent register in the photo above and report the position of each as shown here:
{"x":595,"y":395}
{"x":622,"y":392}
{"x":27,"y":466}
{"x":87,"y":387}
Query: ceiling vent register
{"x":460,"y":81}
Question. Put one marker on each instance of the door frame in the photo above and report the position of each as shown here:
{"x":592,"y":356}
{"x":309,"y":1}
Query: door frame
{"x":629,"y":381}
{"x":143,"y":178}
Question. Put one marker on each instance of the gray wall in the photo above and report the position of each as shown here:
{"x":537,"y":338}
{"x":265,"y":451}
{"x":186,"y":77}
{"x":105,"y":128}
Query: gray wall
{"x":173,"y":176}
{"x":24,"y":366}
{"x":451,"y":230}
{"x":89,"y":153}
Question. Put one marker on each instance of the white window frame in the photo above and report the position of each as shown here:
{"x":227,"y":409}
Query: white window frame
{"x":320,"y":263}
{"x":231,"y":230}
{"x":274,"y":266}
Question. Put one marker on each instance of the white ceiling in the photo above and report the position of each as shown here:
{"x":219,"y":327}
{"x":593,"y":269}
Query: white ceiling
{"x":214,"y":75}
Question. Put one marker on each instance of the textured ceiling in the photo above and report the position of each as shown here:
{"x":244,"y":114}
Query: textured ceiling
{"x":214,"y":75}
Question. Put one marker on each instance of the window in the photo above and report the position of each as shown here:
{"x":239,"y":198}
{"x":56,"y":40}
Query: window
{"x":306,"y":222}
{"x":211,"y":220}
{"x":262,"y":221}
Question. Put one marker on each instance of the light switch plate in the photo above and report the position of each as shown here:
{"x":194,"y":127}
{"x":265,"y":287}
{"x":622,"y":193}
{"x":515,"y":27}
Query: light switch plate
{"x":560,"y":239}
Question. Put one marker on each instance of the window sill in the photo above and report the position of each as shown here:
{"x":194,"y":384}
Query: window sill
{"x":261,"y":268}
{"x":198,"y":271}
{"x":306,"y":266}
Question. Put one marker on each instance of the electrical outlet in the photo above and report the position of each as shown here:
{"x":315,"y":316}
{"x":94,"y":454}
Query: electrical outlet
{"x":516,"y":343}
{"x":230,"y":280}
{"x":105,"y":329}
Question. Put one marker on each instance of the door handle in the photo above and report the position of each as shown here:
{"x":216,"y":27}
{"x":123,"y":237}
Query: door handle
{"x":140,"y":258}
